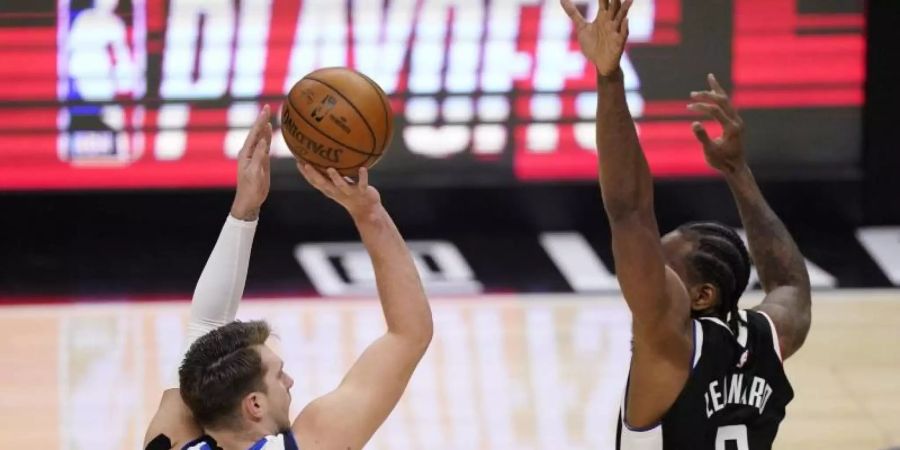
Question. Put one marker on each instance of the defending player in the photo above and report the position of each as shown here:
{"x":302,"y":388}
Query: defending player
{"x":234,"y":393}
{"x":704,"y":374}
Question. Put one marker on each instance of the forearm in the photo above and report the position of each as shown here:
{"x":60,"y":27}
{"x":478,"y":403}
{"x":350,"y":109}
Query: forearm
{"x":221,"y":284}
{"x":403,"y":299}
{"x":777,"y":258}
{"x":625,"y":179}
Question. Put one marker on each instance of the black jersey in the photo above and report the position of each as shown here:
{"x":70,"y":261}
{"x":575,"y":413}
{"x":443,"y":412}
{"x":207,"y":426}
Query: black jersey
{"x":734,"y":398}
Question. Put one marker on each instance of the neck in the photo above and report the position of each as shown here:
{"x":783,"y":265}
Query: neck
{"x":711,"y":312}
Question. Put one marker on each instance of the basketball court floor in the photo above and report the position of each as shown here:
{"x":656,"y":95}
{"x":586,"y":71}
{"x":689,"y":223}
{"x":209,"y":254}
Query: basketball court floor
{"x":503,"y":372}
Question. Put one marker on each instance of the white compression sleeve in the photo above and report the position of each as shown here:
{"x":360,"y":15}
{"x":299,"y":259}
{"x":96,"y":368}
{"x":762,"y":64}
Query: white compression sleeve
{"x":221,"y":283}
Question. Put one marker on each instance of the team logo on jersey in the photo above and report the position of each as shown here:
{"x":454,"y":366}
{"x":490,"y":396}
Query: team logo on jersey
{"x":743,"y":360}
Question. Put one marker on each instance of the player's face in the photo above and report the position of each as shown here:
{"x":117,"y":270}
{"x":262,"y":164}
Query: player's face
{"x":278,"y":384}
{"x":676,"y":248}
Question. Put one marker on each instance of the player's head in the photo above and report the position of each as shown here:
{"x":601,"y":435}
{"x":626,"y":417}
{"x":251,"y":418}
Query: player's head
{"x":713,"y":263}
{"x":231,"y":380}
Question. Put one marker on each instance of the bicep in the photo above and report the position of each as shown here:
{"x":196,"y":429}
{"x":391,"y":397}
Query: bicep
{"x":643,"y":276}
{"x":350,"y":415}
{"x":787,"y":307}
{"x":173,"y":420}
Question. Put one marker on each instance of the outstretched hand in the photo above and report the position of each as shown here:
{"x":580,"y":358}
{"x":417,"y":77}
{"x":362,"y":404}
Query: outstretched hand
{"x":725,"y":153}
{"x":602,"y":41}
{"x":358,"y":198}
{"x":253,"y":169}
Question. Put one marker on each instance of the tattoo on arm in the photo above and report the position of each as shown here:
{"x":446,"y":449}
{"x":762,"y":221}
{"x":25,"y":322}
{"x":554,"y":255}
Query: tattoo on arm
{"x":778,"y":259}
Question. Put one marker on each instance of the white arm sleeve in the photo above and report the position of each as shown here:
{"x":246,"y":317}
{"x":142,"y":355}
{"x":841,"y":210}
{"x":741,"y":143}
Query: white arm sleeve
{"x":221,"y":283}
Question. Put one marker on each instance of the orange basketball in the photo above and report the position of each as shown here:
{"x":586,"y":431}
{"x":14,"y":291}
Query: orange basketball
{"x":337,"y":117}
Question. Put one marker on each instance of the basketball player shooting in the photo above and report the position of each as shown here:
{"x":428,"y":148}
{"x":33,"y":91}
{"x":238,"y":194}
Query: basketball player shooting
{"x":233,"y":392}
{"x":704,"y":374}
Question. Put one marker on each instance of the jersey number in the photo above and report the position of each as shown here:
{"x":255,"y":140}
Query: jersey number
{"x":732,"y":433}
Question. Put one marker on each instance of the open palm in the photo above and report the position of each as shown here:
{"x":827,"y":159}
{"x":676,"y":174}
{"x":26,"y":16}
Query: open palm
{"x":602,"y":41}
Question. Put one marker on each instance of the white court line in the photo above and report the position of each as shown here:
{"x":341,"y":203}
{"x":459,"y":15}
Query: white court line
{"x":852,"y":295}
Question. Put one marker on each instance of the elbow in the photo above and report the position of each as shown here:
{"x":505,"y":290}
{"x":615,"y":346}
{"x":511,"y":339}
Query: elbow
{"x":418,"y":333}
{"x":424,"y":335}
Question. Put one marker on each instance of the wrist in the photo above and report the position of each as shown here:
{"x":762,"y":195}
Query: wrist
{"x":613,"y":76}
{"x":736,"y":168}
{"x":369,"y":215}
{"x":243,"y":212}
{"x":738,"y":173}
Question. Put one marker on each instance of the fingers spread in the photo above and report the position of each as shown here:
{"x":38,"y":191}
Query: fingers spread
{"x":316,"y":179}
{"x":338,"y":181}
{"x":622,"y":13}
{"x":701,"y":133}
{"x":714,"y":84}
{"x":716,"y":112}
{"x":716,"y":98}
{"x":614,"y":6}
{"x":573,"y":13}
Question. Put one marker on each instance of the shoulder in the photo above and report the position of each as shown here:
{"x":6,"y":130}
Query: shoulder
{"x":763,"y":328}
{"x":172,"y":425}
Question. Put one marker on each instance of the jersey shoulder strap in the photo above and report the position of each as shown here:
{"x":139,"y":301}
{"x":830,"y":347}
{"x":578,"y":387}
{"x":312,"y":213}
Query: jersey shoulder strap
{"x":281,"y":441}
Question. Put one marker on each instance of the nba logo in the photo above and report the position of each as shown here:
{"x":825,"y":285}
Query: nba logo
{"x":101,"y":58}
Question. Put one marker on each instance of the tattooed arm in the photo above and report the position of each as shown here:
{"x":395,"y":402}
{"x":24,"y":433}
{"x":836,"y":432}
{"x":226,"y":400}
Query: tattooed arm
{"x":782,"y":270}
{"x":781,"y":267}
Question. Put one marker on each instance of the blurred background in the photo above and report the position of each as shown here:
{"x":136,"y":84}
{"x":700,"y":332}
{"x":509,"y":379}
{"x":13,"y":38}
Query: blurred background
{"x":120,"y":121}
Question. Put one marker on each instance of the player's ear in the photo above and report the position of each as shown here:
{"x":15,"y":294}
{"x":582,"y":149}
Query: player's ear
{"x":254,"y":406}
{"x":704,"y":297}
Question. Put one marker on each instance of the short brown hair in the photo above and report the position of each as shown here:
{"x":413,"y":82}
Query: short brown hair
{"x":220,"y":368}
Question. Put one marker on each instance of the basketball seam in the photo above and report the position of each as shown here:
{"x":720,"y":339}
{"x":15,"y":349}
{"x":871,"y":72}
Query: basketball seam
{"x":387,"y":115}
{"x":358,"y":112}
{"x":325,"y":168}
{"x":336,"y":167}
{"x":299,"y":114}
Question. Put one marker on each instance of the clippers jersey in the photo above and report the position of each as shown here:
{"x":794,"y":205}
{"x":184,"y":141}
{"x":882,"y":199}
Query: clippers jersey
{"x":734,"y":397}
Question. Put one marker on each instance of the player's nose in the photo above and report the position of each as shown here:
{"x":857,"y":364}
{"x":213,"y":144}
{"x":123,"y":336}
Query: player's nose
{"x":289,"y":381}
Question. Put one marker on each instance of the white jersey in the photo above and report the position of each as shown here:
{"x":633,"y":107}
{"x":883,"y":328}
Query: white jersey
{"x":281,"y":441}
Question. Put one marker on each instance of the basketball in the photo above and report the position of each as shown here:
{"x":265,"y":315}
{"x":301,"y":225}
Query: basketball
{"x":337,"y":117}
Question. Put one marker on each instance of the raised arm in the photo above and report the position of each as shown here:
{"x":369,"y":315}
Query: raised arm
{"x":221,"y":284}
{"x":781,"y":267}
{"x":625,"y":181}
{"x":347,"y":417}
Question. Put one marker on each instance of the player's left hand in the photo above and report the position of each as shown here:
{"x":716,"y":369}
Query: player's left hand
{"x":358,"y":198}
{"x":602,"y":41}
{"x":253,"y":169}
{"x":725,"y":153}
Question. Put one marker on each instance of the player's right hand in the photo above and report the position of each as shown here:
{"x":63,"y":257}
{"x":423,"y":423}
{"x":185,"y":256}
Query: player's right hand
{"x":358,"y":198}
{"x":253,"y":169}
{"x":726,"y":152}
{"x":603,"y":40}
